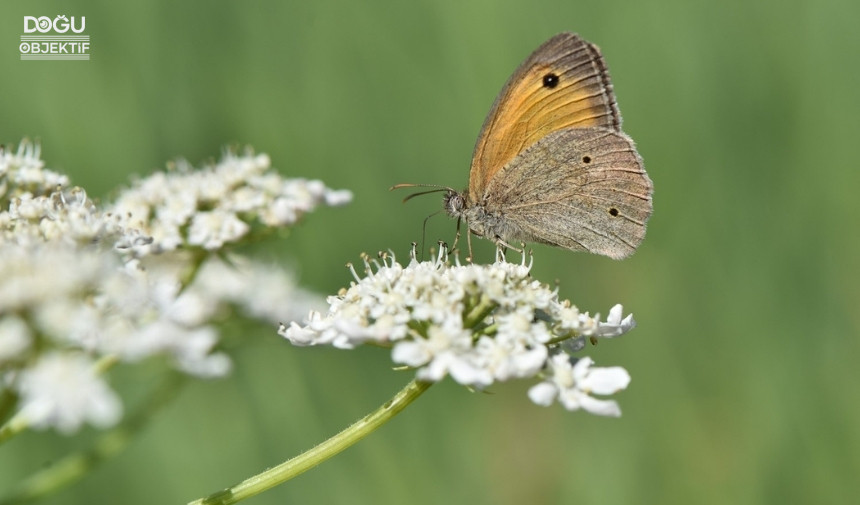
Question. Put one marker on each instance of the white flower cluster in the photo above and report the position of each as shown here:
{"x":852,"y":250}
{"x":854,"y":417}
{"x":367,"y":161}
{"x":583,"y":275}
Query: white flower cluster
{"x":80,"y":285}
{"x":215,"y":205}
{"x":477,"y":323}
{"x":68,"y":216}
{"x":22,"y":171}
{"x":260,"y":291}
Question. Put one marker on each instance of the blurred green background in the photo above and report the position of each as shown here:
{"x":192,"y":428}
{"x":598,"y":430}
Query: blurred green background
{"x":744,"y":364}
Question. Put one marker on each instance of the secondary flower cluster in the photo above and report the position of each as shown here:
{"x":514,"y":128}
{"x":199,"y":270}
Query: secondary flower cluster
{"x":22,"y":171}
{"x":83,"y":285}
{"x":477,"y":323}
{"x":215,"y":205}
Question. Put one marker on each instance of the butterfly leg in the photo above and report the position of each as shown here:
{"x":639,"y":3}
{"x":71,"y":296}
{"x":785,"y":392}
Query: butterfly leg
{"x":505,"y":246}
{"x":469,"y":242}
{"x":456,"y":238}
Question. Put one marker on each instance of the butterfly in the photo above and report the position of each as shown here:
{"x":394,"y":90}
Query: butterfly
{"x":551,"y":164}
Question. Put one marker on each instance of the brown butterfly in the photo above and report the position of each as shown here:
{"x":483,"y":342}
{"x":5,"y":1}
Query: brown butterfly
{"x":551,"y":164}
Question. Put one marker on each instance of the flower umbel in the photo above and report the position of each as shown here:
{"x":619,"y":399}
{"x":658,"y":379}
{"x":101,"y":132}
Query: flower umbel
{"x":479,"y":324}
{"x":218,"y":204}
{"x":143,"y":277}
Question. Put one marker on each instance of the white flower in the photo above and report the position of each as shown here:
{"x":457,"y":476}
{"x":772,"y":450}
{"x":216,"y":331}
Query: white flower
{"x":78,"y":283}
{"x":23,"y":172}
{"x":572,"y":385}
{"x":614,"y":325}
{"x":63,"y":391}
{"x":65,"y":215}
{"x":507,"y":358}
{"x":217,"y":204}
{"x":15,"y":337}
{"x":591,"y":327}
{"x":37,"y":273}
{"x":88,"y":299}
{"x":446,"y":350}
{"x":190,"y":347}
{"x":211,"y":229}
{"x":300,"y":335}
{"x":338,"y":197}
{"x":263,"y":291}
{"x":477,"y":324}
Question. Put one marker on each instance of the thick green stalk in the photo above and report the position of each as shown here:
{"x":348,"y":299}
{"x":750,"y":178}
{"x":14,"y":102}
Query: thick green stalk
{"x":313,"y":457}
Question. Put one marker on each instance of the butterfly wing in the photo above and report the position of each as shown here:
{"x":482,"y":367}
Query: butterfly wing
{"x":563,"y":84}
{"x":578,"y":188}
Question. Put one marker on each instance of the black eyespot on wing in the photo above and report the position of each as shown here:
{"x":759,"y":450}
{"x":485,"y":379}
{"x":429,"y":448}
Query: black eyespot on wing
{"x":586,"y":159}
{"x":613,"y":212}
{"x":550,"y":80}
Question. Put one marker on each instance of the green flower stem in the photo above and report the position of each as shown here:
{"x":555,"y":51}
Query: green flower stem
{"x":12,"y":427}
{"x":313,"y":457}
{"x":8,"y":401}
{"x":487,"y":330}
{"x":560,"y":339}
{"x":198,"y":257}
{"x":479,"y":312}
{"x":105,"y":363}
{"x":74,"y":466}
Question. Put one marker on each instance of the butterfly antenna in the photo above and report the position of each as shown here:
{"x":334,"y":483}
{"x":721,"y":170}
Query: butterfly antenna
{"x":413,"y":195}
{"x":436,"y":189}
{"x":424,"y":233}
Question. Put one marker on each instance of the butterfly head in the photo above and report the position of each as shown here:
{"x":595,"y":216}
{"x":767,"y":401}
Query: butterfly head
{"x":479,"y":221}
{"x":454,"y":203}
